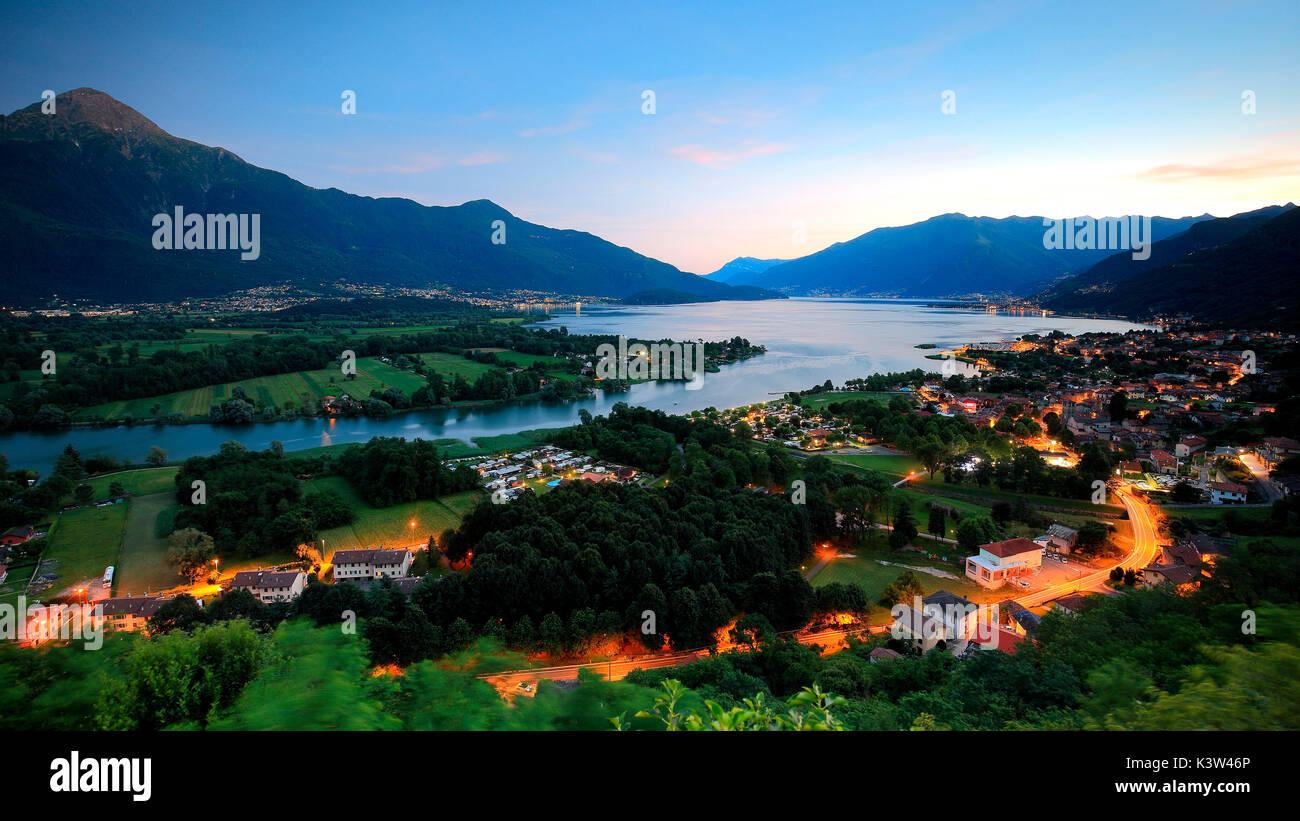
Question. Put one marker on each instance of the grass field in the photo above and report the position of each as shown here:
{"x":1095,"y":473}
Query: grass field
{"x":991,"y":494}
{"x":390,"y":526}
{"x":143,"y":565}
{"x":819,"y":402}
{"x":137,"y":482}
{"x":84,"y":542}
{"x":893,"y":465}
{"x":874,"y":577}
{"x":291,"y":388}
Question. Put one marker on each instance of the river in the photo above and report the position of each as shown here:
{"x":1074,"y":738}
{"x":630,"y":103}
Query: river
{"x":808,"y":341}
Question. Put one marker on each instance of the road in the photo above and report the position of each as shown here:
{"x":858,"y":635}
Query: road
{"x":1144,"y":552}
{"x":615,"y":670}
{"x":1257,"y":469}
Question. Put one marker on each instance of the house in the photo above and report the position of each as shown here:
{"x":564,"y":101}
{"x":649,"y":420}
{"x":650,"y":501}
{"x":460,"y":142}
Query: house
{"x":1188,"y":445}
{"x":1164,"y":462}
{"x":942,"y":617}
{"x":358,"y":565}
{"x":1000,"y":562}
{"x":128,"y":613}
{"x":1276,"y":448}
{"x":17,"y":535}
{"x":1130,"y":467}
{"x":1001,"y":638}
{"x":1058,"y":539}
{"x":407,"y":584}
{"x":271,"y":585}
{"x":1015,"y":616}
{"x":880,"y":654}
{"x":1221,"y":492}
{"x":1179,"y":576}
{"x":1069,"y":604}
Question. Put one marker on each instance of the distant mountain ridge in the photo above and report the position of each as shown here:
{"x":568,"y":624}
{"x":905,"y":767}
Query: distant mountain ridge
{"x":1243,"y":270}
{"x":742,"y":265}
{"x":79,"y":189}
{"x":947,"y":255}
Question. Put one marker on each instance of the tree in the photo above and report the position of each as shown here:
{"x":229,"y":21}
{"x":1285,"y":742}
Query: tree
{"x":903,"y":589}
{"x":1118,"y":406}
{"x":84,"y":494}
{"x":931,"y":451}
{"x":157,"y":456}
{"x":191,"y":551}
{"x":550,"y":635}
{"x":973,"y":531}
{"x":938,"y":524}
{"x":177,"y":613}
{"x":904,"y":525}
{"x":753,"y":629}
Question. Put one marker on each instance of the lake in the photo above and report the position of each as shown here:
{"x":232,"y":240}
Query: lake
{"x":808,"y":341}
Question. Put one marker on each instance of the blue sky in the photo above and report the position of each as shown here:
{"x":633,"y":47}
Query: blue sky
{"x":769,"y":118}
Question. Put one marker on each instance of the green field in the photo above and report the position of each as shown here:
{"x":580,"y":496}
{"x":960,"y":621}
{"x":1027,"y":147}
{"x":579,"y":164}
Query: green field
{"x":554,"y":367}
{"x":991,"y":495}
{"x":390,"y":526}
{"x":84,"y":542}
{"x":137,"y":482}
{"x":820,"y":401}
{"x":874,"y":577}
{"x":143,"y":565}
{"x":890,"y":464}
{"x":293,"y":389}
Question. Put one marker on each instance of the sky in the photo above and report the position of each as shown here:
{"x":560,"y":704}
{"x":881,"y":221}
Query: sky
{"x":777,"y":129}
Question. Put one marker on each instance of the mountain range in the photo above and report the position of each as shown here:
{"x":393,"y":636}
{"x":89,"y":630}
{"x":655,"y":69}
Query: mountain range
{"x":947,"y":255}
{"x":79,"y":190}
{"x":1243,"y":269}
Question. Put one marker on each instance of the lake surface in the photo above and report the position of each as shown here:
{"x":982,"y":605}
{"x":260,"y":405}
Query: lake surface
{"x":808,"y":341}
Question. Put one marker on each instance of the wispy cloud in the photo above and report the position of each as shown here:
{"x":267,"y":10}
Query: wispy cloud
{"x":1242,"y":167}
{"x":574,"y":124}
{"x":726,"y":158}
{"x":745,"y":118}
{"x":482,"y":158}
{"x":419,"y":164}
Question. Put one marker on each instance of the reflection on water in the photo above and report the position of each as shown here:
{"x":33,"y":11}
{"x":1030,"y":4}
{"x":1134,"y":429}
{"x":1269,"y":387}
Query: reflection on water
{"x":808,"y":342}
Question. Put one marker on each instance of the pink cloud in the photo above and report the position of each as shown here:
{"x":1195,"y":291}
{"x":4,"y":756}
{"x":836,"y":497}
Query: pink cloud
{"x":482,"y":158}
{"x":724,"y":158}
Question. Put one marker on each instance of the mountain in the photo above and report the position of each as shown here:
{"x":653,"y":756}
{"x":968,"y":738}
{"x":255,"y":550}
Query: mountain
{"x":742,"y":265}
{"x":947,"y":255}
{"x":79,"y":190}
{"x":1076,"y":293}
{"x":1246,"y":277}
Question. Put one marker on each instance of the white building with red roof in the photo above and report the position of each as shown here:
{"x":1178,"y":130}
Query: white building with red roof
{"x":1000,"y":562}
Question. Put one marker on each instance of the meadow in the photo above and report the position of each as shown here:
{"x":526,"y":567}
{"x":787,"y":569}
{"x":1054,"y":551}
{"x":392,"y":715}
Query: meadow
{"x":391,"y":526}
{"x":289,"y":389}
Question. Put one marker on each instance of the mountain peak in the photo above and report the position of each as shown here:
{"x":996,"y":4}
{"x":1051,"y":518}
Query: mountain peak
{"x":78,"y":107}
